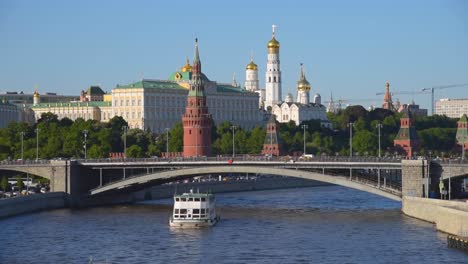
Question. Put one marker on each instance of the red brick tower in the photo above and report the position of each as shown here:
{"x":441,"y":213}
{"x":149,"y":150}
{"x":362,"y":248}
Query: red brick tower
{"x":407,"y":138}
{"x":387,"y":101}
{"x":271,"y":145}
{"x":197,"y":120}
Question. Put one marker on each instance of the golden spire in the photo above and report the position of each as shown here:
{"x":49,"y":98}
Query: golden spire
{"x":273,"y":44}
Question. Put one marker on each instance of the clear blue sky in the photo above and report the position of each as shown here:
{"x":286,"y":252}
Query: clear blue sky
{"x":349,"y":48}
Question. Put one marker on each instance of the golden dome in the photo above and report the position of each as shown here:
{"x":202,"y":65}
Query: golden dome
{"x":36,"y":94}
{"x":251,"y":66}
{"x":273,"y":43}
{"x":303,"y":84}
{"x":186,"y":67}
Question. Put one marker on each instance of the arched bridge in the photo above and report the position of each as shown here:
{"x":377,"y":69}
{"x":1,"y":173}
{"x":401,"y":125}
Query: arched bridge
{"x":329,"y":172}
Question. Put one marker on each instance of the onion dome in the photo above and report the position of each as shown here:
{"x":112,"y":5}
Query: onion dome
{"x":251,"y":66}
{"x":303,"y":84}
{"x":186,"y":67}
{"x":36,"y":94}
{"x":289,"y":98}
{"x":273,"y":43}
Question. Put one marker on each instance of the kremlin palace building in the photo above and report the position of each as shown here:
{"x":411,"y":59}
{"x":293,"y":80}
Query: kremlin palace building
{"x":153,"y":104}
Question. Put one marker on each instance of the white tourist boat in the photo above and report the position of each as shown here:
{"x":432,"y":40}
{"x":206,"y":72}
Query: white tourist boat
{"x":193,"y":210}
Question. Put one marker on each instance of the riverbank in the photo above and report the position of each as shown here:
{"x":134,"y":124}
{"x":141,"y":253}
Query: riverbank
{"x":32,"y":203}
{"x":448,"y":216}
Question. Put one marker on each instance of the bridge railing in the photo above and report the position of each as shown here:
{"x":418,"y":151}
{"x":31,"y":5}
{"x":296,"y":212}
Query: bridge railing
{"x":24,"y":162}
{"x":247,"y":158}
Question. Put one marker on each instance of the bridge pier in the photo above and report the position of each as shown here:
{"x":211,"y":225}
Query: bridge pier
{"x":415,"y":178}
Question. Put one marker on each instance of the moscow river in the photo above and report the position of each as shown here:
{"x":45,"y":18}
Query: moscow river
{"x":327,"y":224}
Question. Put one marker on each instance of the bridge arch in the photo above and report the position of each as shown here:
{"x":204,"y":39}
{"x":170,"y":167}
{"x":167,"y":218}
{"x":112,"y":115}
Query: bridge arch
{"x":186,"y":172}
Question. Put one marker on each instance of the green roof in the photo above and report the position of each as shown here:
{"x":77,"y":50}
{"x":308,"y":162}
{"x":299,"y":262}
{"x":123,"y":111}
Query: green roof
{"x":406,"y":133}
{"x":74,"y":104}
{"x":227,"y":88}
{"x":185,"y":76}
{"x":95,"y":90}
{"x":156,"y":84}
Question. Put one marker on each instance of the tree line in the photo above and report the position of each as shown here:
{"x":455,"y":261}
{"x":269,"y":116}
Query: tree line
{"x":66,"y":138}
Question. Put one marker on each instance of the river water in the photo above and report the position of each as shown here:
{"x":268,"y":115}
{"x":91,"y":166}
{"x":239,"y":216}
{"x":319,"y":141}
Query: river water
{"x":329,"y":224}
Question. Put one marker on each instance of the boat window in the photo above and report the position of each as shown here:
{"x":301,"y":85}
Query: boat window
{"x":202,"y":210}
{"x":183,"y":199}
{"x":183,"y":211}
{"x":207,"y":210}
{"x":197,"y":199}
{"x":190,"y":199}
{"x":176,"y":211}
{"x":203,"y":199}
{"x":177,"y":199}
{"x":196,"y":211}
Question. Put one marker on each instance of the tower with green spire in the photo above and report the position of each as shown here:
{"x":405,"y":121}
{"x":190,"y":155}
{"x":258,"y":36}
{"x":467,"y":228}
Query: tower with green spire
{"x":196,"y":120}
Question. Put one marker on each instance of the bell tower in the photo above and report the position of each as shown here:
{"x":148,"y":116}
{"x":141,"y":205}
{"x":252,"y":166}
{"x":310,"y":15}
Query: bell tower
{"x":197,"y":120}
{"x":273,"y":73}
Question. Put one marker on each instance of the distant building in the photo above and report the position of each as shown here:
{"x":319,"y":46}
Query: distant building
{"x":8,"y":113}
{"x":20,"y":98}
{"x":302,"y":109}
{"x":453,"y":108}
{"x":414,"y":108}
{"x":462,"y":132}
{"x":407,"y":138}
{"x":90,"y":106}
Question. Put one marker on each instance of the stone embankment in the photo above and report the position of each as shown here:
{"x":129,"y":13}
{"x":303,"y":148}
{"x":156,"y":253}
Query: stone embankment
{"x":32,"y":203}
{"x":448,"y":216}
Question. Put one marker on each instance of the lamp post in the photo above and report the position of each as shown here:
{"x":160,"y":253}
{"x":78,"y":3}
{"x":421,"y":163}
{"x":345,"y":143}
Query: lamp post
{"x":85,"y":132}
{"x":167,"y":142}
{"x":379,"y":126}
{"x":450,"y":180}
{"x":350,"y":125}
{"x":37,"y":143}
{"x":125,"y":128}
{"x":233,"y":128}
{"x":22,"y":145}
{"x":197,"y":127}
{"x":304,"y":127}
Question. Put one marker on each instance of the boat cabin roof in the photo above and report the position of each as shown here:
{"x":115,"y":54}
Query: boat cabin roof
{"x":194,"y":195}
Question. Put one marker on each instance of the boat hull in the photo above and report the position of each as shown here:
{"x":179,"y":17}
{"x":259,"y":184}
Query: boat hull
{"x":192,"y":223}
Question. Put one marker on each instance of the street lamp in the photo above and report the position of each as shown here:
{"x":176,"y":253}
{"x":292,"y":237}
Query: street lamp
{"x":37,"y":143}
{"x":197,"y":127}
{"x":233,"y":128}
{"x":85,"y":132}
{"x":350,"y":125}
{"x":379,"y":126}
{"x":22,"y":145}
{"x":167,"y":142}
{"x":125,"y":128}
{"x":304,"y":127}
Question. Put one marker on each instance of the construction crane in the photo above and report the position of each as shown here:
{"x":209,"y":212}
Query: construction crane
{"x":426,"y":91}
{"x":440,"y":87}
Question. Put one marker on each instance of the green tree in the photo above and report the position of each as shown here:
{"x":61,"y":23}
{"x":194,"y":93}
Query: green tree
{"x":4,"y":183}
{"x":176,"y":140}
{"x":135,"y":151}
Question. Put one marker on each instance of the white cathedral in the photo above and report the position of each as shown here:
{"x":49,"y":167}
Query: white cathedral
{"x":270,"y":97}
